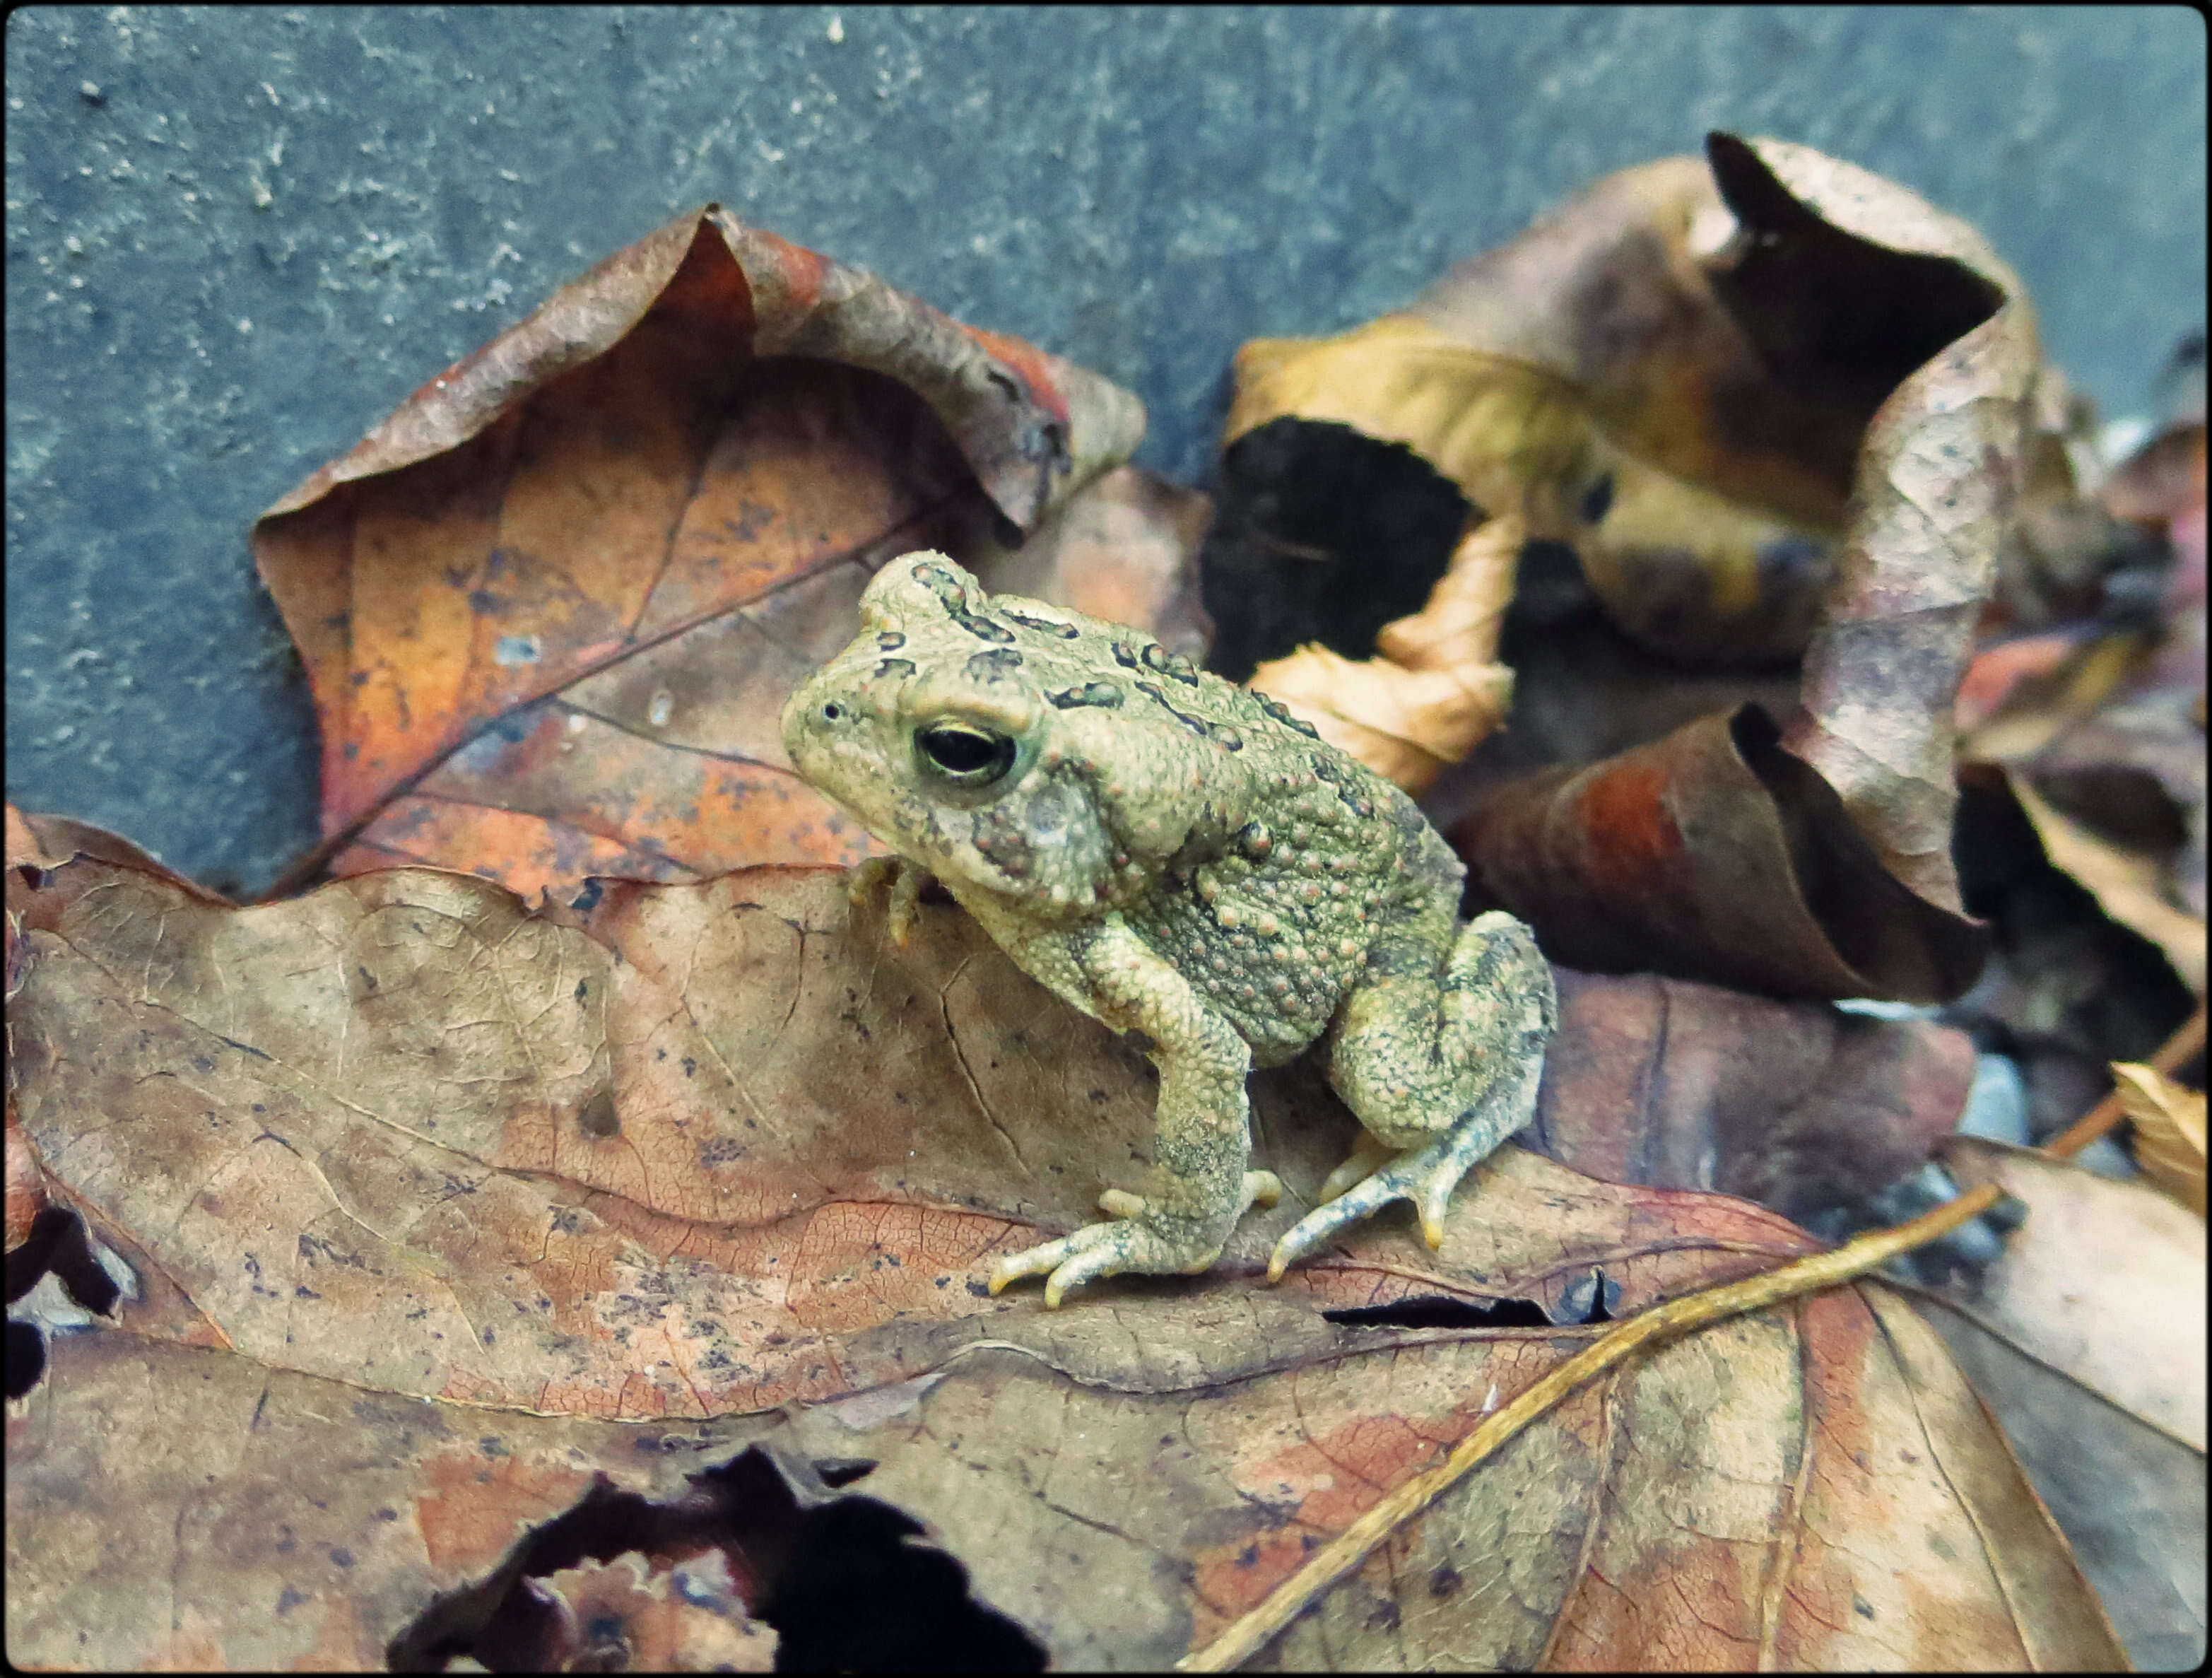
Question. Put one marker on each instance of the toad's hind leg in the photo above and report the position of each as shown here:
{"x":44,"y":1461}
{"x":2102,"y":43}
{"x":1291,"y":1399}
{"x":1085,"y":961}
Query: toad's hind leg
{"x":1440,"y":1068}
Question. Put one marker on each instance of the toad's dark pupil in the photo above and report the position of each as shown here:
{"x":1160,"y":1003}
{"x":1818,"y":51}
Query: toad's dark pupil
{"x":970,"y":755}
{"x":831,"y":712}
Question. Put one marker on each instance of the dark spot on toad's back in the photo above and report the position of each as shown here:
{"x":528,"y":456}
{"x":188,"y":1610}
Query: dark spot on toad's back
{"x":999,"y":661}
{"x":1104,"y":694}
{"x":1158,"y":657}
{"x":1198,"y":726}
{"x":1045,"y":625}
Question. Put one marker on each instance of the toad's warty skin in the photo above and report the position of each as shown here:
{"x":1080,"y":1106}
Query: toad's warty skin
{"x":1176,"y":856}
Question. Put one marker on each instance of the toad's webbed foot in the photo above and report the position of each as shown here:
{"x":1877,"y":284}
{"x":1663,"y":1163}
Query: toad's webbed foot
{"x":1425,"y":1176}
{"x":1138,"y":1242}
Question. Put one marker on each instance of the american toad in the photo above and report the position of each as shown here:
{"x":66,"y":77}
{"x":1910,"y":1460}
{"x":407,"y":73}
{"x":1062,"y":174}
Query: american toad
{"x":1176,"y":856}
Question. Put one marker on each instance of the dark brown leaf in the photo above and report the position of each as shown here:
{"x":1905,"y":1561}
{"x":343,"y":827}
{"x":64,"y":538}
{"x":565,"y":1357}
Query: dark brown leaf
{"x":1715,"y":854}
{"x":1799,"y":1107}
{"x":1861,"y":289}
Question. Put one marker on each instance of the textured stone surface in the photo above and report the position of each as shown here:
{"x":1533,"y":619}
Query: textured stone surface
{"x":237,"y":237}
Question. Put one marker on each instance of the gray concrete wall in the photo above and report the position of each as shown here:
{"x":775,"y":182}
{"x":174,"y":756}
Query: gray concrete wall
{"x":237,"y":237}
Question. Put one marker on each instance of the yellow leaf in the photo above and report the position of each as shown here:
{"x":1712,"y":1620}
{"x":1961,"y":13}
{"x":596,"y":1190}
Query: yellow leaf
{"x":1436,"y":688}
{"x":1512,"y":435}
{"x":2169,"y":1122}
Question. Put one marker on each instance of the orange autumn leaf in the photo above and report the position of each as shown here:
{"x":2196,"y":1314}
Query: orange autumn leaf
{"x":549,"y":608}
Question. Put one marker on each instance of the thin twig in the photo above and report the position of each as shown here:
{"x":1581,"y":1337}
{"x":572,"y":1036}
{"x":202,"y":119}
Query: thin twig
{"x":1345,"y":1553}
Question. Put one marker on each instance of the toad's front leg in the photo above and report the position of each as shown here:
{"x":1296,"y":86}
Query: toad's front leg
{"x":1198,"y":1186}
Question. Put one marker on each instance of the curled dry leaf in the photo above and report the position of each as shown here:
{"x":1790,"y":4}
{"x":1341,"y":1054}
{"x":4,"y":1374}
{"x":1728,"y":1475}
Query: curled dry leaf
{"x":1437,"y":688}
{"x":1827,"y":254}
{"x":1780,"y":351}
{"x":1585,"y":378}
{"x":2169,"y":1126}
{"x":1712,"y":854}
{"x":400,"y":1154}
{"x":1322,"y":534}
{"x":549,"y":608}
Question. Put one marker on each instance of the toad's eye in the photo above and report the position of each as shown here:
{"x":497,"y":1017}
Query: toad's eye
{"x":832,"y":711}
{"x":963,"y":754}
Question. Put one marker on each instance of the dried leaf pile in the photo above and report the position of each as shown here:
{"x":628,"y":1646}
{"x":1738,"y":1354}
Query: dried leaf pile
{"x":549,"y":1230}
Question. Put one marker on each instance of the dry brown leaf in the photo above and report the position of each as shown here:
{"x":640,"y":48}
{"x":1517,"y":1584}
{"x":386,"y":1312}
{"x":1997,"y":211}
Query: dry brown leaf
{"x":549,"y":608}
{"x":2104,"y":1282}
{"x":1935,"y":476}
{"x":401,"y":1154}
{"x":2130,"y":1499}
{"x":1322,"y":534}
{"x":446,"y":1084}
{"x":1703,"y":580}
{"x":2169,"y":1124}
{"x":1699,"y":372}
{"x":2107,"y":724}
{"x":1508,"y":430}
{"x":2086,"y":1339}
{"x":2164,"y":479}
{"x":2135,"y":771}
{"x":1800,"y":1107}
{"x":295,"y":1522}
{"x":2065,"y":556}
{"x":2018,"y":695}
{"x":1536,"y":379}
